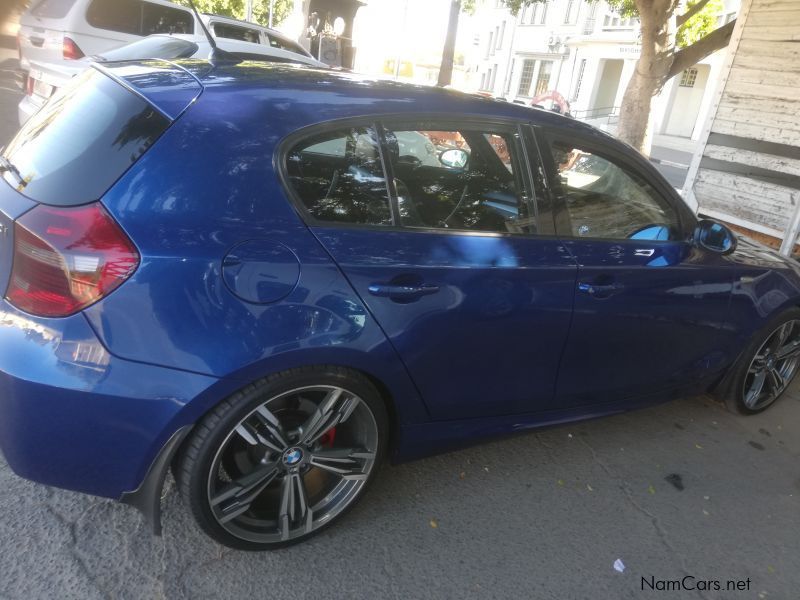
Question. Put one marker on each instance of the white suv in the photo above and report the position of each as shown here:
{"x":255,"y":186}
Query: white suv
{"x":44,"y":81}
{"x":60,"y":31}
{"x":54,"y":33}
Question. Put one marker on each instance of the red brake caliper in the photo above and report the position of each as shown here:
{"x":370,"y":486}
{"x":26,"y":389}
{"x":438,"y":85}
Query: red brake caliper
{"x":328,"y":437}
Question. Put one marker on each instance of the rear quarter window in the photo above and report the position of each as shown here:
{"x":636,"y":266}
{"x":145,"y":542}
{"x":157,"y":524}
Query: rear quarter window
{"x":138,"y":17}
{"x":75,"y":148}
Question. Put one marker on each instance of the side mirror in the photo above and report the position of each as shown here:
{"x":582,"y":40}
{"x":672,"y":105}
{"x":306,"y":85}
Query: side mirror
{"x":455,"y":158}
{"x":715,"y":237}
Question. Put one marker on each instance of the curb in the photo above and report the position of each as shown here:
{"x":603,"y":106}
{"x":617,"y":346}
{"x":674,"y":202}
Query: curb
{"x":669,"y":163}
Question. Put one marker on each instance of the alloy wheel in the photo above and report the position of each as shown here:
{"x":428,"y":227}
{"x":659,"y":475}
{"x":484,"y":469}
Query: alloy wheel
{"x":293,"y":464}
{"x":773,"y":367}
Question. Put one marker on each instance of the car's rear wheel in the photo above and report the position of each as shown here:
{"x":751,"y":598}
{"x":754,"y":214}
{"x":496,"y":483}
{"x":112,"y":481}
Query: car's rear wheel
{"x":284,"y":458}
{"x":766,"y":368}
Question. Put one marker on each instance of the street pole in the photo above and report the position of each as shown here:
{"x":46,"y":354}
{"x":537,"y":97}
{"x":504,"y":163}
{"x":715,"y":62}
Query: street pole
{"x":402,"y":37}
{"x":271,"y":10}
{"x":248,"y":10}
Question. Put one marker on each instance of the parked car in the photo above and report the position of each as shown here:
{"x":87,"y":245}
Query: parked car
{"x":228,"y":28}
{"x":44,"y":79}
{"x":239,"y":271}
{"x":53,"y":33}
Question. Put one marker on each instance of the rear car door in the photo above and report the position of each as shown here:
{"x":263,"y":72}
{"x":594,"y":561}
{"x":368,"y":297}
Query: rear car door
{"x":436,"y":225}
{"x":651,"y":314}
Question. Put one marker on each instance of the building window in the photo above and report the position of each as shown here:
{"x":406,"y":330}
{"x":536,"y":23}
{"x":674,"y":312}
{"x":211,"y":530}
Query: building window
{"x":522,"y":14}
{"x":494,"y":78}
{"x":688,"y":78}
{"x":508,"y":77}
{"x":526,"y":78}
{"x":483,"y":81}
{"x":489,"y":46}
{"x":501,"y":35}
{"x":543,"y":79}
{"x":581,"y":70}
{"x":572,"y":6}
{"x":538,"y":14}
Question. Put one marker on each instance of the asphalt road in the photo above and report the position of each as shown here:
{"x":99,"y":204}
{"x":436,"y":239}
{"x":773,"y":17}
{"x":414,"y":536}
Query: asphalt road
{"x":542,"y":515}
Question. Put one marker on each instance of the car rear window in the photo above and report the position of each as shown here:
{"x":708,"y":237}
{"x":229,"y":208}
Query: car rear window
{"x":52,"y":9}
{"x":138,"y":17}
{"x":81,"y":141}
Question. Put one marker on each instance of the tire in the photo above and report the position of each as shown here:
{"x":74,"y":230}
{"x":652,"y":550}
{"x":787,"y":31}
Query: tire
{"x":284,"y":458}
{"x":772,"y":355}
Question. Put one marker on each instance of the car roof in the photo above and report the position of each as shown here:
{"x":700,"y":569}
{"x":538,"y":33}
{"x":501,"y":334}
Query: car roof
{"x":326,"y":94}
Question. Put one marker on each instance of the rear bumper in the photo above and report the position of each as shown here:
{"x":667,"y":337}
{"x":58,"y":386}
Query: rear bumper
{"x":74,"y":416}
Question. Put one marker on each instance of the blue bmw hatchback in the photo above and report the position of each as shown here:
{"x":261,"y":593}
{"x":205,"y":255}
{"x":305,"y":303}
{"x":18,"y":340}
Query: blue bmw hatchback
{"x":271,"y":277}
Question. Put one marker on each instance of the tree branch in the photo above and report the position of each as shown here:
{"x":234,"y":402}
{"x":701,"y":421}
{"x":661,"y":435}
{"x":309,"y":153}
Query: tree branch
{"x":691,"y":55}
{"x":691,"y":11}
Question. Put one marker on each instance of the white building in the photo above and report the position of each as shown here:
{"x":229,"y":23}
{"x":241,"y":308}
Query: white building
{"x":586,"y":52}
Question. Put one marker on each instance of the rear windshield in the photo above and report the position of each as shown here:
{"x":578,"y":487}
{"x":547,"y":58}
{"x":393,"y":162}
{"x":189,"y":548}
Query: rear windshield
{"x":152,"y":47}
{"x":81,"y":141}
{"x":52,"y":9}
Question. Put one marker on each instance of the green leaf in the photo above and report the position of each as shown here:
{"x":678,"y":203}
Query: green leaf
{"x":699,"y":25}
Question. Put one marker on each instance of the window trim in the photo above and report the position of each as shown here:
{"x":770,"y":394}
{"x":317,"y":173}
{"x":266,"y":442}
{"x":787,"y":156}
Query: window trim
{"x":616,"y":153}
{"x":516,"y":127}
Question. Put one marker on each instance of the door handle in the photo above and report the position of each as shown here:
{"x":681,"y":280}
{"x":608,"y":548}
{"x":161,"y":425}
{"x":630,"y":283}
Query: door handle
{"x":599,"y":290}
{"x":404,"y":292}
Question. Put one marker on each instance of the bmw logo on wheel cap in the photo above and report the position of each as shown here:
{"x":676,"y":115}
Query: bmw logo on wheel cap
{"x":292,"y":456}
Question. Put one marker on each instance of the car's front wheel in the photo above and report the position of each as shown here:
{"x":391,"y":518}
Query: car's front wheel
{"x":766,"y":367}
{"x":284,"y":458}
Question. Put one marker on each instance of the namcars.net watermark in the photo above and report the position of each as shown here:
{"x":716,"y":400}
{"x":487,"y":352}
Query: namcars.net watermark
{"x":690,"y":583}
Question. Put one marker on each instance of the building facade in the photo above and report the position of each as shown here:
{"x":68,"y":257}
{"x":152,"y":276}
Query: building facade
{"x":586,"y":52}
{"x":746,"y":170}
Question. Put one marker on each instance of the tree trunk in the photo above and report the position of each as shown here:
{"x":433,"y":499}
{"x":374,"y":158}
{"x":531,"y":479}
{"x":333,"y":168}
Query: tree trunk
{"x":448,"y":53}
{"x":651,"y":73}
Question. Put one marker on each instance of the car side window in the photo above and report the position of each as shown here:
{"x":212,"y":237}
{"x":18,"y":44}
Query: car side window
{"x":339,"y":178}
{"x":138,"y":17}
{"x":605,"y":199}
{"x":464,"y":179}
{"x":234,"y":32}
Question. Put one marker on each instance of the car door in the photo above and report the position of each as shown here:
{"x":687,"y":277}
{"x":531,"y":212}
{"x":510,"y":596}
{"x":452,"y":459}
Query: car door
{"x":651,"y":314}
{"x":437,"y":227}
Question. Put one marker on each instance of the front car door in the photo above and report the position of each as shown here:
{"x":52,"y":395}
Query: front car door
{"x":435,"y":223}
{"x":651,"y":316}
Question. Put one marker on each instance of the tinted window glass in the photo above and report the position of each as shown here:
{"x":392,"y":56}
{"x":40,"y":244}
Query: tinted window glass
{"x":124,"y":16}
{"x":138,"y":18}
{"x":236,"y":33}
{"x":339,"y":177}
{"x":458,"y":179}
{"x":605,"y":200}
{"x":164,"y":19}
{"x":152,"y":47}
{"x":277,"y":42}
{"x":52,"y":9}
{"x":81,"y":141}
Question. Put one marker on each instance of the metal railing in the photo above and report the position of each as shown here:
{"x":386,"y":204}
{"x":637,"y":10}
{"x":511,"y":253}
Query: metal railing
{"x":597,"y":113}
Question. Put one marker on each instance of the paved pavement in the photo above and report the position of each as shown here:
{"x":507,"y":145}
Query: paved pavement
{"x":673,"y":164}
{"x":542,"y":515}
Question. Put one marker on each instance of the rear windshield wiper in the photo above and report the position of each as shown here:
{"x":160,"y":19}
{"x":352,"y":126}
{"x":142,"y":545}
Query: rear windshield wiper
{"x":7,"y":165}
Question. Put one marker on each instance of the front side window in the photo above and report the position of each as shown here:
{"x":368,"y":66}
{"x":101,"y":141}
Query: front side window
{"x":606,"y":200}
{"x":339,"y":178}
{"x":464,"y":179}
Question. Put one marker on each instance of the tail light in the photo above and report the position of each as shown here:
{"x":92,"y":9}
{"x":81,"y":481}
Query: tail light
{"x":29,"y":81}
{"x":67,"y":258}
{"x":71,"y":50}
